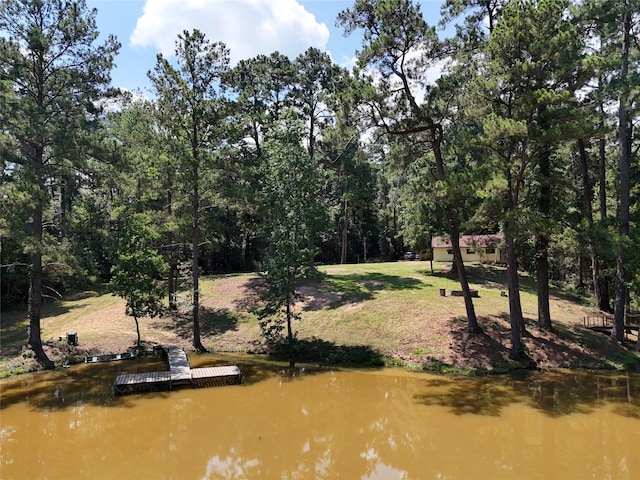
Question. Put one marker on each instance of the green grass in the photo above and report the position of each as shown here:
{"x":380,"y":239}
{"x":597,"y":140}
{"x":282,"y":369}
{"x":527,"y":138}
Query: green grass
{"x":366,"y":313}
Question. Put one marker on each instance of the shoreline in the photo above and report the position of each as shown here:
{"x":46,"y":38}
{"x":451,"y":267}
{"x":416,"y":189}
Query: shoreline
{"x":364,"y":315}
{"x":65,"y":355}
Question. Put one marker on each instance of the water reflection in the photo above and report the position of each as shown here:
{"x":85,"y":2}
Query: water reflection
{"x":313,"y":423}
{"x":65,"y":388}
{"x":555,"y":393}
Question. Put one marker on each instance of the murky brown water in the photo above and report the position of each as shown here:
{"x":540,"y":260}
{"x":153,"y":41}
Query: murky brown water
{"x":384,"y":424}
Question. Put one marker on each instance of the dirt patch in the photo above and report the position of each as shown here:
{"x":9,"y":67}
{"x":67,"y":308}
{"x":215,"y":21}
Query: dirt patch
{"x":411,"y":279}
{"x":353,"y":306}
{"x":414,"y":336}
{"x":316,"y":298}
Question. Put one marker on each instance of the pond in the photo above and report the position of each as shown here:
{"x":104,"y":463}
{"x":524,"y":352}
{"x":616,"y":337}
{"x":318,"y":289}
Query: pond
{"x":308,"y":423}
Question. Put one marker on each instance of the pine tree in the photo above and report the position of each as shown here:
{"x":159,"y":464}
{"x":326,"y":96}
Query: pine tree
{"x":193,"y":109}
{"x":58,"y":72}
{"x":400,"y":45}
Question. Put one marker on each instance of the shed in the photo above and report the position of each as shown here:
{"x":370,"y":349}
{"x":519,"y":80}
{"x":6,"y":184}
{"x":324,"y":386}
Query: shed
{"x":475,"y":248}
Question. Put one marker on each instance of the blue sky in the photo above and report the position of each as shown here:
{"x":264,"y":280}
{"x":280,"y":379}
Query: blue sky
{"x":248,"y":27}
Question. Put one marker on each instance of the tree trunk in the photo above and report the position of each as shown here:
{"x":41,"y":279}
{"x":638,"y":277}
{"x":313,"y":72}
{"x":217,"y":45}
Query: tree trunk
{"x":588,"y":213}
{"x":289,"y":327}
{"x":35,"y":290}
{"x":195,"y":245}
{"x":139,"y":343}
{"x":602,"y":176}
{"x":394,"y":236}
{"x":472,"y":321}
{"x":172,"y":283}
{"x":542,"y":239}
{"x":172,"y":274}
{"x":364,"y":248}
{"x":605,"y":303}
{"x":580,"y":262}
{"x":515,"y":308}
{"x":454,"y":233}
{"x":35,"y":310}
{"x":345,"y":231}
{"x":542,"y":277}
{"x":617,"y":332}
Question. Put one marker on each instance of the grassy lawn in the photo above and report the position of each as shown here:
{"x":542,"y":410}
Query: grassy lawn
{"x":374,"y":313}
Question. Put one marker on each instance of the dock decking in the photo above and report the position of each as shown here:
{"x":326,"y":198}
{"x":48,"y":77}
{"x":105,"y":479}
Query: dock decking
{"x":179,"y":367}
{"x":142,"y":382}
{"x":216,"y":376}
{"x":179,"y":373}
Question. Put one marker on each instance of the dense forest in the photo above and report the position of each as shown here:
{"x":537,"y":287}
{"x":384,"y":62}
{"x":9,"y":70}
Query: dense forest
{"x":276,"y":164}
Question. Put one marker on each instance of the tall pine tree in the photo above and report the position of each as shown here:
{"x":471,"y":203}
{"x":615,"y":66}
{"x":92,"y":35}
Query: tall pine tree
{"x":192,"y":107}
{"x":58,"y":72}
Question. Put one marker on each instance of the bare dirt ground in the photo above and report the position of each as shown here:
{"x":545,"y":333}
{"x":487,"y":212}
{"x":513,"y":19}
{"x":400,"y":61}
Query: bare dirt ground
{"x":228,"y":327}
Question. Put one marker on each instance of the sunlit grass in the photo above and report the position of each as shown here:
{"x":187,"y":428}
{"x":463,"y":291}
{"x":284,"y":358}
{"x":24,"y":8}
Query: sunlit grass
{"x":388,"y":307}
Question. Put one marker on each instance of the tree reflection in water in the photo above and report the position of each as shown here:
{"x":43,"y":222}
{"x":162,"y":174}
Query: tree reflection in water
{"x":308,"y":422}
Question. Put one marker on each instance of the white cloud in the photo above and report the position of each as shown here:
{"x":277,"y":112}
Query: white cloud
{"x":247,"y":27}
{"x":347,"y":62}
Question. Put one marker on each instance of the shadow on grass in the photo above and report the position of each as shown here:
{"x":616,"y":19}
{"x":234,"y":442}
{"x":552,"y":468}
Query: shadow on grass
{"x":360,"y":287}
{"x":490,"y":276}
{"x":592,"y":342}
{"x":250,"y":301}
{"x":554,"y":393}
{"x":15,"y":322}
{"x":14,"y":334}
{"x":489,"y":347}
{"x":493,"y":276}
{"x":334,"y":291}
{"x":212,"y":322}
{"x":53,"y":307}
{"x":573,"y":347}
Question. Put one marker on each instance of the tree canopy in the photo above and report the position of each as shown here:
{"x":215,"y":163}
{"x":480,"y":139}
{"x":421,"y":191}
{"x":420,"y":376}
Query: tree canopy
{"x":276,"y":164}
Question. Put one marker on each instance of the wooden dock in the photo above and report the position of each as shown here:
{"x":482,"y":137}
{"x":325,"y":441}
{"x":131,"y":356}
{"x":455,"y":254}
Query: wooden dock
{"x":216,"y":376}
{"x":110,"y":357}
{"x":142,"y":382}
{"x":179,"y":367}
{"x":179,"y":373}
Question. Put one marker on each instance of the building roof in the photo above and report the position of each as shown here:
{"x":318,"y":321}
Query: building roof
{"x":469,"y":241}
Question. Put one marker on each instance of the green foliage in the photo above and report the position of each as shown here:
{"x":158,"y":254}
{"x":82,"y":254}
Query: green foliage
{"x":138,"y":269}
{"x":192,"y":109}
{"x":400,"y":46}
{"x":222,"y":161}
{"x":523,"y":98}
{"x":57,"y":74}
{"x":291,"y":208}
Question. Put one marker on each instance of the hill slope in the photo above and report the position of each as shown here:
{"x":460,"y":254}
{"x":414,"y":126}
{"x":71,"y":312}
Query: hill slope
{"x":389,"y":313}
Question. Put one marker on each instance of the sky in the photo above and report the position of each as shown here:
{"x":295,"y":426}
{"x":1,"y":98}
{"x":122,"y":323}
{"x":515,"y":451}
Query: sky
{"x":248,"y":28}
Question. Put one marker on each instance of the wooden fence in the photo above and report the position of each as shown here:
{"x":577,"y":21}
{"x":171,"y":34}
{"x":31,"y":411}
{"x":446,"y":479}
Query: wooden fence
{"x":603,"y":322}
